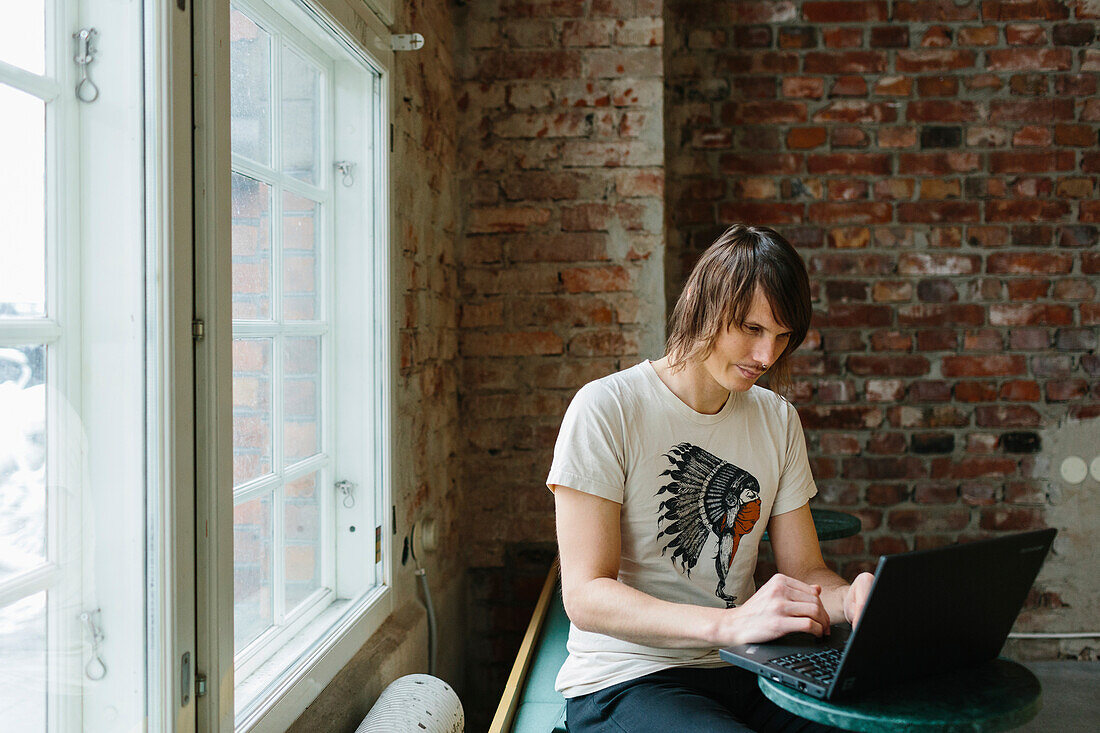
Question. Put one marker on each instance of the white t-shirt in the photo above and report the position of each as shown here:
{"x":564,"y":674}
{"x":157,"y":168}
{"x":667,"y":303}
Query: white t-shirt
{"x":696,"y":492}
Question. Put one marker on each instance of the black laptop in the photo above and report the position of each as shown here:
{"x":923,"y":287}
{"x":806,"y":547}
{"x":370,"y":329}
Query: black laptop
{"x":929,"y":611}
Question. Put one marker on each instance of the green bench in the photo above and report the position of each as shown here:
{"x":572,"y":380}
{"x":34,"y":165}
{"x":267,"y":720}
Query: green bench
{"x":530,"y":703}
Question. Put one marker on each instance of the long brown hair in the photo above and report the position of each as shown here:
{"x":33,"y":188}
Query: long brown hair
{"x":718,"y":294}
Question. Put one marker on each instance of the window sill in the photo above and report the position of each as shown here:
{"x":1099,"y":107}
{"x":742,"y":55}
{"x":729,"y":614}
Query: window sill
{"x":273,"y":696}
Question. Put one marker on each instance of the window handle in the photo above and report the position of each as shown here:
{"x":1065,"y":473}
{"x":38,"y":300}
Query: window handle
{"x":346,"y":167}
{"x":95,"y":669}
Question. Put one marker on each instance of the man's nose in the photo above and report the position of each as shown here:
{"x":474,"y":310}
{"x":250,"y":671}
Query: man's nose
{"x":768,"y":350}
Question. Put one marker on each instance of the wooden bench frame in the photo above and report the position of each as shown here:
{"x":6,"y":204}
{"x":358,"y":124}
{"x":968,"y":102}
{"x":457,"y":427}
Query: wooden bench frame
{"x":510,"y":700}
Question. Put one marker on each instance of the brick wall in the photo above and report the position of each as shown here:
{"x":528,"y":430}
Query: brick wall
{"x":561,"y":276}
{"x":936,"y":164}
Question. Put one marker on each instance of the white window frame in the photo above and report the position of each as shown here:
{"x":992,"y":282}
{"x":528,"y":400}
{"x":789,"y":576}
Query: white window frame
{"x":350,"y":623}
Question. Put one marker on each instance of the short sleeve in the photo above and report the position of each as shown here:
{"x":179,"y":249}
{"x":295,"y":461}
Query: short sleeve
{"x":589,"y":455}
{"x":796,"y":482}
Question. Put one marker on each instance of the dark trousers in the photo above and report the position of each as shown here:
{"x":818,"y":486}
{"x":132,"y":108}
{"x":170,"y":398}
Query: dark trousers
{"x":684,"y":700}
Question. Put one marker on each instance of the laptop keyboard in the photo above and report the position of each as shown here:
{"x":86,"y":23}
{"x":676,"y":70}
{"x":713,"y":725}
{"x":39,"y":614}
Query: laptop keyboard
{"x":819,"y":665}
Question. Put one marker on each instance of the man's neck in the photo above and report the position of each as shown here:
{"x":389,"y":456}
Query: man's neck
{"x":693,"y":385}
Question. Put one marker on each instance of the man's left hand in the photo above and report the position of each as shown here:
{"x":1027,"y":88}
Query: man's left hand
{"x":856,"y":597}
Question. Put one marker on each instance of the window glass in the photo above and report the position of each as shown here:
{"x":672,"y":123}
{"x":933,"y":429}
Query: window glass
{"x":301,"y":264}
{"x":301,"y":118}
{"x":253,"y":603}
{"x":303,"y":540}
{"x":301,"y":398}
{"x":23,"y":649}
{"x":23,"y":35}
{"x":23,"y":511}
{"x":250,"y":90}
{"x":252,"y":393}
{"x":251,"y":248}
{"x":22,"y":201}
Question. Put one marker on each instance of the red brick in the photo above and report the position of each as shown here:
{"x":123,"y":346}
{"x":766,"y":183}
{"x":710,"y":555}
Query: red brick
{"x":849,"y":86}
{"x":891,"y":341}
{"x":1066,"y":391}
{"x":897,"y":86}
{"x":849,"y":164}
{"x":573,"y":247}
{"x":849,"y":238}
{"x":845,"y":62}
{"x":917,"y":61}
{"x":881,"y":443}
{"x":983,"y":366}
{"x":510,"y":344}
{"x":1032,"y":136}
{"x":587,"y":32}
{"x":640,"y":183}
{"x":763,"y":113}
{"x":839,"y":444}
{"x":573,"y":311}
{"x":890,"y":36}
{"x":1007,"y":416}
{"x":937,"y":340}
{"x":1025,"y":34}
{"x":932,"y":314}
{"x":937,"y":164}
{"x":937,"y":110}
{"x":1022,"y":263}
{"x":1024,"y":10}
{"x":850,"y":110}
{"x":596,"y":279}
{"x":763,"y":213}
{"x":930,"y":520}
{"x":935,"y":492}
{"x":929,"y":390}
{"x":884,"y":390}
{"x":985,"y":35}
{"x":848,"y":37}
{"x":859,"y":316}
{"x":543,"y":8}
{"x":888,"y":366}
{"x":1038,"y":110}
{"x":506,"y":219}
{"x":883,"y":468}
{"x":839,"y":417}
{"x":930,"y":11}
{"x":556,"y":64}
{"x":887,"y":494}
{"x":805,"y":137}
{"x":863,"y":265}
{"x":940,"y":416}
{"x":1026,"y":210}
{"x":937,"y":86}
{"x":760,"y":164}
{"x":975,"y":392}
{"x":973,"y":467}
{"x":1012,"y":519}
{"x":1075,"y":135}
{"x":604,"y":343}
{"x":845,"y":12}
{"x":860,"y":213}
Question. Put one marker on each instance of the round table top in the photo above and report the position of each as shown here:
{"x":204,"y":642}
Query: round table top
{"x":998,"y":695}
{"x":832,"y":525}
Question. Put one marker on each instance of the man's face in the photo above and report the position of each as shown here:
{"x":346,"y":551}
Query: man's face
{"x":739,"y":352}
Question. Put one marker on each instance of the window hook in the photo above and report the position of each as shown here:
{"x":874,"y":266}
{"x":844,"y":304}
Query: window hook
{"x":95,"y":669}
{"x":346,"y":488}
{"x":346,"y":167}
{"x":86,"y":90}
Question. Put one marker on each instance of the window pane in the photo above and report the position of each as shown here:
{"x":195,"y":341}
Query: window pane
{"x":303,"y":539}
{"x":301,"y":398}
{"x":301,"y":118}
{"x":250,"y":88}
{"x":22,"y":459}
{"x":23,"y":35}
{"x":22,"y":201}
{"x":23,"y":651}
{"x":251,"y":248}
{"x":252,"y":598}
{"x":301,"y":271}
{"x":252,"y":390}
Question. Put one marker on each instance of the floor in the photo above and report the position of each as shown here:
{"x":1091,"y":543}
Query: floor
{"x":1071,"y":697}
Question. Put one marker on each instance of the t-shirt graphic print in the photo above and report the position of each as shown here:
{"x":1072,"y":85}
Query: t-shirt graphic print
{"x":708,"y":495}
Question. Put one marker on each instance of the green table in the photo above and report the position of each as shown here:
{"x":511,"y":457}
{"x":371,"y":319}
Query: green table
{"x":998,"y":695}
{"x":832,"y":525}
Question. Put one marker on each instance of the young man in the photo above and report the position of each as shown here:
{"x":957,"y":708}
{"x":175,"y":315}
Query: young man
{"x":665,"y":476}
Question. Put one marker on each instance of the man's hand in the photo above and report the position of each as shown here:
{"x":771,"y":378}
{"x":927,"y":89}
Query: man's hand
{"x":781,"y":606}
{"x":856,"y":597}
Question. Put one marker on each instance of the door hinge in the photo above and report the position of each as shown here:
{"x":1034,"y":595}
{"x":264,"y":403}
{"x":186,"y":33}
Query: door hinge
{"x":200,"y":685}
{"x":198,"y":329}
{"x":378,"y":544}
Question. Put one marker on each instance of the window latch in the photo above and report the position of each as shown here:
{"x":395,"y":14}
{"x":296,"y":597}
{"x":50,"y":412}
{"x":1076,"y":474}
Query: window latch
{"x":346,"y":167}
{"x":86,"y":90}
{"x":407,"y":42}
{"x":95,"y":669}
{"x":347,"y":489}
